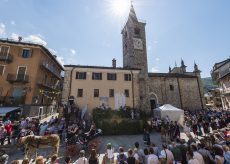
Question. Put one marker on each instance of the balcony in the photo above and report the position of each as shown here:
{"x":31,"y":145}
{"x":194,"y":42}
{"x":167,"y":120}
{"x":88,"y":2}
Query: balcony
{"x":224,"y":73}
{"x":17,"y":78}
{"x":49,"y":86}
{"x":51,"y":69}
{"x":7,"y":58}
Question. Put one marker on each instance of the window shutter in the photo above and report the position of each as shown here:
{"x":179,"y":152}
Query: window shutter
{"x":100,"y":76}
{"x":20,"y":52}
{"x":31,"y":52}
{"x":84,"y":75}
{"x":77,"y":73}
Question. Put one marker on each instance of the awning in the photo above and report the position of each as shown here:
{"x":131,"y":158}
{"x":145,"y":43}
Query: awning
{"x":5,"y":110}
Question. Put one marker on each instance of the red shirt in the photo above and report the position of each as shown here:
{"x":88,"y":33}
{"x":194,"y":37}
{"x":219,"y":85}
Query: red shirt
{"x":8,"y":128}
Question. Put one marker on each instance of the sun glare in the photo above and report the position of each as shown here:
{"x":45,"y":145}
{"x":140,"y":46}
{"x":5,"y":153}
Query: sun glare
{"x":120,"y":7}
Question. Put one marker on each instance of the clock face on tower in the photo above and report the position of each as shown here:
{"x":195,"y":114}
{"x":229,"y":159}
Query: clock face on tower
{"x":137,"y":43}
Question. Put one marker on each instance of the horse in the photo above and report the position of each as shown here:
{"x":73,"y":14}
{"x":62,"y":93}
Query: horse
{"x":32,"y":143}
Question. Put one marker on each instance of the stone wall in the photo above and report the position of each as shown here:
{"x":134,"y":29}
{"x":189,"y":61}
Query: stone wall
{"x":184,"y":92}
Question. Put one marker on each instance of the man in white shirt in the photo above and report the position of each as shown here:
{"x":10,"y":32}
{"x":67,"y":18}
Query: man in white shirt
{"x":152,"y":158}
{"x":82,"y":159}
{"x":166,"y":154}
{"x":197,"y":155}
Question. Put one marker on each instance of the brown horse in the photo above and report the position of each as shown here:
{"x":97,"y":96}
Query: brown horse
{"x":32,"y":143}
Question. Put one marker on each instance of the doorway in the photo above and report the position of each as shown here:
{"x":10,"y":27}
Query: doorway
{"x":152,"y":105}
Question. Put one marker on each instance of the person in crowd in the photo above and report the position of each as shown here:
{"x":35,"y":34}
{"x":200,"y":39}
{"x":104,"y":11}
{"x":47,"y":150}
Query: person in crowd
{"x":121,"y":157}
{"x":54,"y":159}
{"x":140,"y":152}
{"x":176,"y":153}
{"x":190,"y":158}
{"x":176,"y":130}
{"x":208,"y":159}
{"x":226,"y":154}
{"x":39,"y":160}
{"x":146,"y":153}
{"x":82,"y":159}
{"x":109,"y":154}
{"x":219,"y":154}
{"x":155,"y":149}
{"x":152,"y":158}
{"x":43,"y":128}
{"x":196,"y":154}
{"x":8,"y":128}
{"x":183,"y":149}
{"x":2,"y":135}
{"x":93,"y":159}
{"x":67,"y":160}
{"x":25,"y":161}
{"x":146,"y":136}
{"x":15,"y":162}
{"x":135,"y":155}
{"x":131,"y":159}
{"x":91,"y":132}
{"x":166,"y":155}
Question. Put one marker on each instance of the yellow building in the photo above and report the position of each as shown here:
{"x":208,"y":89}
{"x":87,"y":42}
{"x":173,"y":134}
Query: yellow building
{"x":29,"y":76}
{"x":105,"y":87}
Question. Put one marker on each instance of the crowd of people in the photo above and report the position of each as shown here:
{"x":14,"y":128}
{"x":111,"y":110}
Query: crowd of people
{"x":208,"y":145}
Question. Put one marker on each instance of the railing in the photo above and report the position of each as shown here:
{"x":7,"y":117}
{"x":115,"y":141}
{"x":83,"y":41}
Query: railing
{"x":51,"y":69}
{"x":18,"y":78}
{"x":47,"y":85}
{"x":7,"y":58}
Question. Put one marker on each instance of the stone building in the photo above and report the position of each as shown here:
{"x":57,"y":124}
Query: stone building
{"x":177,"y":87}
{"x":29,"y":77}
{"x":221,"y":75}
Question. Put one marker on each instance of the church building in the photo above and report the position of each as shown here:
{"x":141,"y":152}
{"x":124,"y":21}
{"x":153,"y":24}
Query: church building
{"x":132,"y":85}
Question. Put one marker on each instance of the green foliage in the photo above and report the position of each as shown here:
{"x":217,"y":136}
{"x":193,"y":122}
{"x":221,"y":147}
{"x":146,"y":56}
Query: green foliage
{"x":118,"y":122}
{"x":208,"y":84}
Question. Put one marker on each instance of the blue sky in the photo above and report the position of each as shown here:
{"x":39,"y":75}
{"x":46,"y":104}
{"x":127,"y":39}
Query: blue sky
{"x":87,"y":32}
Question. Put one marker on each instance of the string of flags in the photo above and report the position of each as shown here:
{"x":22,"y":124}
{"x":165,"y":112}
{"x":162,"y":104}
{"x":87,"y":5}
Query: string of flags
{"x":49,"y":94}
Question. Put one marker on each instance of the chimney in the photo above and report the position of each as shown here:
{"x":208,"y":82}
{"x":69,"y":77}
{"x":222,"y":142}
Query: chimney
{"x":19,"y":38}
{"x":114,"y":63}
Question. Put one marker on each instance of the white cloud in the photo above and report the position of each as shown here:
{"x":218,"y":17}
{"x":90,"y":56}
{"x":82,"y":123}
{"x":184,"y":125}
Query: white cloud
{"x":52,"y":51}
{"x":37,"y":38}
{"x":157,"y":59}
{"x":61,"y":60}
{"x":14,"y":36}
{"x":73,"y":51}
{"x":12,"y":23}
{"x":2,"y":29}
{"x":154,"y":69}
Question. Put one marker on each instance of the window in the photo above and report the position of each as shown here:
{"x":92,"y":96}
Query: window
{"x":137,"y":31}
{"x":96,"y":93}
{"x":97,"y":76}
{"x":171,"y":87}
{"x":126,"y":93}
{"x":80,"y":93}
{"x":4,"y":51}
{"x":127,"y":77}
{"x":26,"y":53}
{"x":111,"y":76}
{"x":2,"y":68}
{"x":111,"y":92}
{"x":81,"y":75}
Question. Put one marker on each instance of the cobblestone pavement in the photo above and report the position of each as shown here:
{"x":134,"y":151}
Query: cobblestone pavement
{"x":127,"y":141}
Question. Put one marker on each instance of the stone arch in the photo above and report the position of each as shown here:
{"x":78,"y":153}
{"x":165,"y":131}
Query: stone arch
{"x":153,"y":96}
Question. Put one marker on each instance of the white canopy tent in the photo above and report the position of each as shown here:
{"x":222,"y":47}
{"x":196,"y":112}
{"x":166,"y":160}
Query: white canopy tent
{"x":174,"y":114}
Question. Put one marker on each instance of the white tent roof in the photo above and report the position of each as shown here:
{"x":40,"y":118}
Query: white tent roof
{"x":168,"y":107}
{"x":5,"y":110}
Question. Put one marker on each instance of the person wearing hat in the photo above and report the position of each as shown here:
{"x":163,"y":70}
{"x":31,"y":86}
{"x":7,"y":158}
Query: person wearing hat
{"x":82,"y":159}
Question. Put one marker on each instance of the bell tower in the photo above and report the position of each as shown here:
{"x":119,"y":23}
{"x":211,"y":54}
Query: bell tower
{"x":134,"y":43}
{"x":135,"y":54}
